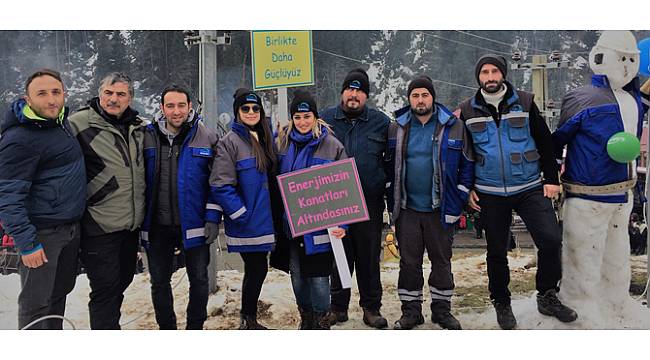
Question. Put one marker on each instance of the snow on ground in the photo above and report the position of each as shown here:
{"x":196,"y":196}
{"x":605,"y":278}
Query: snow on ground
{"x":277,"y":307}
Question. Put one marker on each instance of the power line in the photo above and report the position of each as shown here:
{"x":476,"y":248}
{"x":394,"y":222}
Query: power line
{"x":364,"y":62}
{"x":341,"y":56}
{"x":541,"y":51}
{"x":451,"y":83}
{"x":484,"y":38}
{"x":464,"y":43}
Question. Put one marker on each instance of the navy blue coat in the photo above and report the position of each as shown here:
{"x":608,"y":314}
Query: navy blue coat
{"x":42,"y":176}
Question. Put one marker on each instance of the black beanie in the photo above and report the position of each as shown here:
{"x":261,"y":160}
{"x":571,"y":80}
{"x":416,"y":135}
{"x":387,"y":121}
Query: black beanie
{"x":357,"y":79}
{"x":244,"y":96}
{"x":496,"y":60}
{"x":421,"y":81}
{"x":303,"y":102}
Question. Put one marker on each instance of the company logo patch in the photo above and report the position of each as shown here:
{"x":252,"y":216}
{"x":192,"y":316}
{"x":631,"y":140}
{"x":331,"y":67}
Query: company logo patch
{"x":303,"y":107}
{"x":355,"y":84}
{"x":251,"y":98}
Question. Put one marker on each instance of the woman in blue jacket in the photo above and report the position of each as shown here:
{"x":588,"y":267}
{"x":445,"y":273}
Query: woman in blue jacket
{"x":303,"y":143}
{"x":243,"y":177}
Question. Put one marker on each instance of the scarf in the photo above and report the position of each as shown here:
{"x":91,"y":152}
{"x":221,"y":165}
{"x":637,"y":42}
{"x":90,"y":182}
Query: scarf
{"x":301,"y":150}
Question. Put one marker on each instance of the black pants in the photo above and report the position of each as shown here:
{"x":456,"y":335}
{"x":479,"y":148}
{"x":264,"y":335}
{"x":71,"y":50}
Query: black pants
{"x":44,"y":289}
{"x":110,"y":261}
{"x":160,"y":255}
{"x":363,"y":251}
{"x":537,"y":213}
{"x":417,"y":231}
{"x":255,"y":268}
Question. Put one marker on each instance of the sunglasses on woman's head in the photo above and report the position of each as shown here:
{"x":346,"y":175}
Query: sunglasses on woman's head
{"x":247,"y":108}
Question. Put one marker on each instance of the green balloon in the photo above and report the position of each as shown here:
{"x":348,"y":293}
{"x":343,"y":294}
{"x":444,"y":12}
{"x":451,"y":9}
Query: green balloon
{"x":623,"y":147}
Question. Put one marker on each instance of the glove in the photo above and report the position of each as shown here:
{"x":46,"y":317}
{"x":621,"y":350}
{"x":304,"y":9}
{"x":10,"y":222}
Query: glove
{"x":211,"y":232}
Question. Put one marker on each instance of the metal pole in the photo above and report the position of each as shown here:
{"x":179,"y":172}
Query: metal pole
{"x":540,"y":82}
{"x":645,"y":218}
{"x":208,"y":96}
{"x":283,"y":107}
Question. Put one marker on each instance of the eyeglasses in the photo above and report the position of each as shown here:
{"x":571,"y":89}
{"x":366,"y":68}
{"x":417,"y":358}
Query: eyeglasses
{"x":246,"y":108}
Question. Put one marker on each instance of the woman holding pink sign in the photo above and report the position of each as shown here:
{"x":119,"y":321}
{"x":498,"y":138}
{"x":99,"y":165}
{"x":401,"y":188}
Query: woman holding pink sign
{"x":303,"y":143}
{"x":243,"y":175}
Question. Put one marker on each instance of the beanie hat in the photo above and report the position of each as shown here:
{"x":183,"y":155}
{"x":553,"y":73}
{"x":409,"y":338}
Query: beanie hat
{"x":357,"y":79}
{"x":244,"y":96}
{"x":303,"y":102}
{"x":496,"y":60}
{"x":421,"y":81}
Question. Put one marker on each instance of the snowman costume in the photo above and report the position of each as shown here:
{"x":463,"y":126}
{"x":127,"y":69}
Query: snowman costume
{"x":596,"y":249}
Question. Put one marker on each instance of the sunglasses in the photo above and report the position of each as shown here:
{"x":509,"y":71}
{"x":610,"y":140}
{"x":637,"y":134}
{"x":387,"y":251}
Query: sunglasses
{"x":247,"y":108}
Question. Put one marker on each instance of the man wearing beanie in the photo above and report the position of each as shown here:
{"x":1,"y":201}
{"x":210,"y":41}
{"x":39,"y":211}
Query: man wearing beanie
{"x":434,"y":173}
{"x":515,"y":169}
{"x":363,"y":131}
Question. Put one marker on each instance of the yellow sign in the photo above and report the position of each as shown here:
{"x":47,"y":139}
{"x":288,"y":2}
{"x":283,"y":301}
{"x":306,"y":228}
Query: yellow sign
{"x":281,"y":59}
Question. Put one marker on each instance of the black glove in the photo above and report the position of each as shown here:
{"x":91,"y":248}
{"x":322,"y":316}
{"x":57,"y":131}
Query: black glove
{"x":211,"y":232}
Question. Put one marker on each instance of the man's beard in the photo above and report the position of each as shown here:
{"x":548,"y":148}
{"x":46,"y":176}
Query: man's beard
{"x":493,"y":90}
{"x":349,"y":110}
{"x":421,"y":111}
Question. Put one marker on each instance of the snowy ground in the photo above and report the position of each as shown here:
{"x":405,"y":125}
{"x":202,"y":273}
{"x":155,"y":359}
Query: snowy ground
{"x":278,"y":310}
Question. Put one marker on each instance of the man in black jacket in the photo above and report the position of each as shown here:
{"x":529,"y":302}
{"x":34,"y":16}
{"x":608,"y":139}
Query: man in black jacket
{"x":515,"y":169}
{"x":364,"y":133}
{"x":42,"y":197}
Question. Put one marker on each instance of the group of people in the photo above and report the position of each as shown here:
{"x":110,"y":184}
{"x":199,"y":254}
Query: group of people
{"x":93,"y":184}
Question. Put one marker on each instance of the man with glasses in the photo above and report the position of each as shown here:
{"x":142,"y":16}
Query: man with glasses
{"x":111,"y":135}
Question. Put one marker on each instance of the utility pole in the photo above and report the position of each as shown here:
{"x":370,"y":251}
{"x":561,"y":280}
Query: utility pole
{"x":539,"y":66}
{"x":208,"y":41}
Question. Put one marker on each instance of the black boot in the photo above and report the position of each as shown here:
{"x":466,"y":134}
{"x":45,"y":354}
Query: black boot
{"x":321,"y":321}
{"x":441,"y":315}
{"x":374,"y":319}
{"x":549,"y":304}
{"x":247,"y":322}
{"x":505,"y":317}
{"x":337,"y":317}
{"x":408,"y":321}
{"x":306,"y":319}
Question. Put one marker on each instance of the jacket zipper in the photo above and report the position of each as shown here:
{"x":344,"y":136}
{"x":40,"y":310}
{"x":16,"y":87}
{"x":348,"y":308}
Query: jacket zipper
{"x":501,"y":159}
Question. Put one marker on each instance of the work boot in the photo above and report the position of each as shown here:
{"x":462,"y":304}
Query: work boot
{"x":247,"y":322}
{"x":306,"y":319}
{"x":505,"y":317}
{"x":549,"y":304}
{"x":441,"y":315}
{"x":321,"y":321}
{"x":337,"y":316}
{"x":408,"y":322}
{"x":374,"y":319}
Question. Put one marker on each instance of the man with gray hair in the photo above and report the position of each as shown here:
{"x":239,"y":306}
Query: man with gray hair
{"x":111,"y":135}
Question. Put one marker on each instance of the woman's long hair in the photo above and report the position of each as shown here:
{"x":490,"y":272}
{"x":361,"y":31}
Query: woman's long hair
{"x":316,"y":131}
{"x":263,"y":150}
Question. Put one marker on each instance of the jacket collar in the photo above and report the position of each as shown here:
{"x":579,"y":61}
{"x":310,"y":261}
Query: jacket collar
{"x":440,"y":113}
{"x":511,"y":98}
{"x":241,"y":130}
{"x":129,"y":116}
{"x":340,"y":114}
{"x":601,"y":81}
{"x":16,"y":117}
